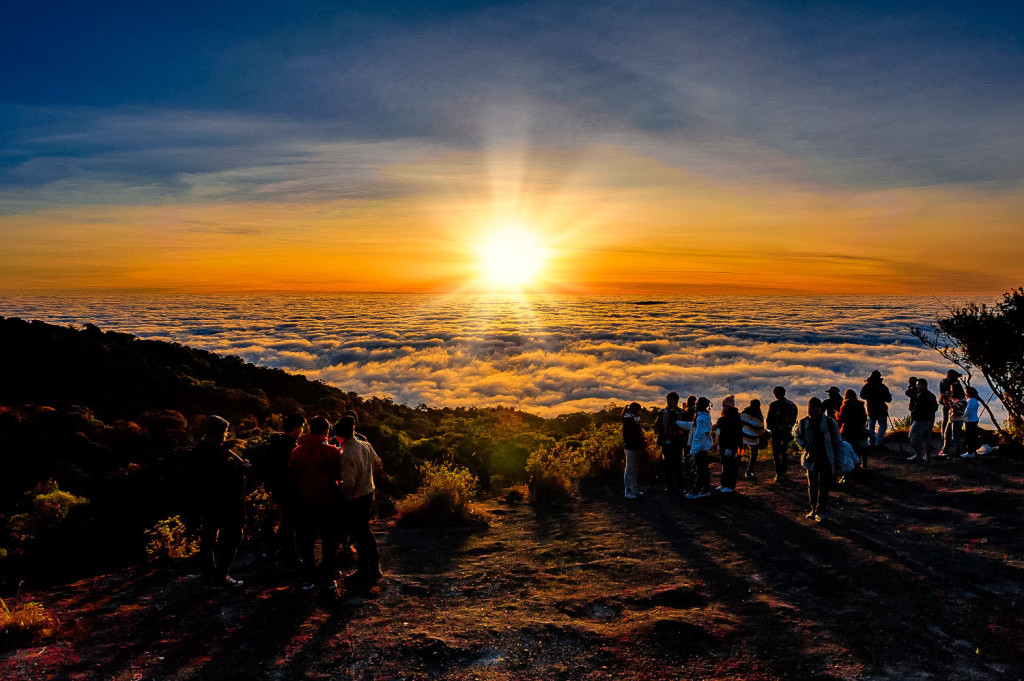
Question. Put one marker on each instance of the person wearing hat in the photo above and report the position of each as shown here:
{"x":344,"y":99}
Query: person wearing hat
{"x":946,"y":394}
{"x":634,"y":444}
{"x":877,"y":396}
{"x":220,"y":475}
{"x":832,"y":402}
{"x":729,"y":429}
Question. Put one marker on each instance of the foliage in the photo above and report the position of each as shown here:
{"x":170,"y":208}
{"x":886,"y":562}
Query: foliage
{"x":991,"y":340}
{"x":169,"y":538}
{"x":557,"y":471}
{"x":445,"y":496}
{"x":25,"y":618}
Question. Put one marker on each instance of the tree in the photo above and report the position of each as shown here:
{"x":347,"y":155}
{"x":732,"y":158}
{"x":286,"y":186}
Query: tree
{"x":991,"y":340}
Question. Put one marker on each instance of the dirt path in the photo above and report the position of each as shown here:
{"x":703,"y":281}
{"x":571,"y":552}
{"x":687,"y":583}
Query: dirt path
{"x":917,"y":574}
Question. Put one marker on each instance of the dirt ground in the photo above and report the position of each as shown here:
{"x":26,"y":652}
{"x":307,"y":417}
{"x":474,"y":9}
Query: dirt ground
{"x":918,"y":573}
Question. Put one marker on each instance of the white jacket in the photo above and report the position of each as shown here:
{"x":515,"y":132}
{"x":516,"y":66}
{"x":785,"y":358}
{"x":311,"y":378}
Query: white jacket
{"x":700,"y":434}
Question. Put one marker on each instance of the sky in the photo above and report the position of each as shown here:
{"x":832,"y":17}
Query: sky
{"x":600,"y":147}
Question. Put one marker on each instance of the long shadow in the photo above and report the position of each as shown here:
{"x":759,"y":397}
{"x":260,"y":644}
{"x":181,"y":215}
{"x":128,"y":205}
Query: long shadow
{"x":189,"y":631}
{"x":817,"y":571}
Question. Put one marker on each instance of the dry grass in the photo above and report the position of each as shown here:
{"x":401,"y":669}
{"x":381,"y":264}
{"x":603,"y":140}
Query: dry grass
{"x":26,"y":619}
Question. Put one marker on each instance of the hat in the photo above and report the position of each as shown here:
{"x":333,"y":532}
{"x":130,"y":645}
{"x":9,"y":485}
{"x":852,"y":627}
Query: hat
{"x":729,"y":401}
{"x":876,"y":374}
{"x":953,"y":373}
{"x":833,"y":389}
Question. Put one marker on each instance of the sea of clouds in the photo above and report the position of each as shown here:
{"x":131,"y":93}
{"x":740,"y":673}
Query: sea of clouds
{"x":544,"y":354}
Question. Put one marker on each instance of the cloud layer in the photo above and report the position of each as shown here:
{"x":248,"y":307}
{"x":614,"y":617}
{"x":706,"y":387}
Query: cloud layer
{"x":544,"y":354}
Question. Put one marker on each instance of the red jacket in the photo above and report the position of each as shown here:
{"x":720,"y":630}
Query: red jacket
{"x":314,"y":469}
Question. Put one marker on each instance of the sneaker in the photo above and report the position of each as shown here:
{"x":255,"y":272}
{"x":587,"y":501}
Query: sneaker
{"x":818,"y":517}
{"x":810,"y":516}
{"x":726,"y":490}
{"x":692,"y":495}
{"x":631,"y":496}
{"x":226,"y":583}
{"x":968,"y":455}
{"x":916,"y":457}
{"x":705,"y":493}
{"x":718,"y":488}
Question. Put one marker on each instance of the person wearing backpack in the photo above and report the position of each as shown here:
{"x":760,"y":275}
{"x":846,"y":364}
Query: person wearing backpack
{"x":818,"y":436}
{"x":671,"y":441}
{"x":953,"y":435}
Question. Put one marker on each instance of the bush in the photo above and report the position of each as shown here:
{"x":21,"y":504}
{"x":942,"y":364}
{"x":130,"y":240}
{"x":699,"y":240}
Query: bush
{"x":26,"y":619}
{"x":443,"y":497}
{"x":596,"y":454}
{"x":170,"y":539}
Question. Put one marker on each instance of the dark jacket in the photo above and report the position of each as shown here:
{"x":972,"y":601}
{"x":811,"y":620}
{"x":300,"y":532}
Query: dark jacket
{"x":219,"y":475}
{"x":781,"y":417}
{"x":925,"y":406}
{"x":852,"y":420}
{"x":274,"y":466}
{"x":877,"y":395}
{"x":730,"y":431}
{"x":632,"y":433}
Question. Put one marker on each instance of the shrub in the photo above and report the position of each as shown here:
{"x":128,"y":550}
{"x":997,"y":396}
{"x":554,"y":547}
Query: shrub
{"x":443,"y":497}
{"x":25,"y":619}
{"x":170,"y":539}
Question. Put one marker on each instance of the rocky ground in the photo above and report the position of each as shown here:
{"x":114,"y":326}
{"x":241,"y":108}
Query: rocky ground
{"x":918,"y":573}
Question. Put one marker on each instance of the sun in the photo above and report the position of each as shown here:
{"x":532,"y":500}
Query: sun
{"x":511,"y":259}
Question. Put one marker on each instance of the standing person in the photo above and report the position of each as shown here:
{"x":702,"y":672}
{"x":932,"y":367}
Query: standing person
{"x":953,"y":435}
{"x":971,"y":418}
{"x":359,"y":464}
{"x":689,"y":413}
{"x":634,"y":444}
{"x":819,"y":437}
{"x":832,"y":402}
{"x":852,"y":419}
{"x":782,"y":415}
{"x":753,"y":429}
{"x":315,"y":472}
{"x":729,"y":428}
{"x":220,"y":473}
{"x":922,"y":420}
{"x":671,"y":442}
{"x":275,"y":477}
{"x":911,"y":393}
{"x":945,"y":398}
{"x":877,"y":396}
{"x":701,"y":445}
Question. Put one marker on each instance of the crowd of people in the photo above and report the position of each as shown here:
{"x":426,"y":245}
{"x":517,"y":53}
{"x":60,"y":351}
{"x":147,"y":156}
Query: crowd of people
{"x":320,"y":479}
{"x":839,"y":434}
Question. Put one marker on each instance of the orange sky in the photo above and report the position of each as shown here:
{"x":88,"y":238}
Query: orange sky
{"x":612,"y":222}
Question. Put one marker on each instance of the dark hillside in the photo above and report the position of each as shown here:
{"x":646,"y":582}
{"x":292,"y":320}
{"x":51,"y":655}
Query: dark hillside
{"x":119,"y":376}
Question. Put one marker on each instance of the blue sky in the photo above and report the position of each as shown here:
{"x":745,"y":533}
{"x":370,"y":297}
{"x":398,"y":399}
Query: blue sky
{"x":138,"y":104}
